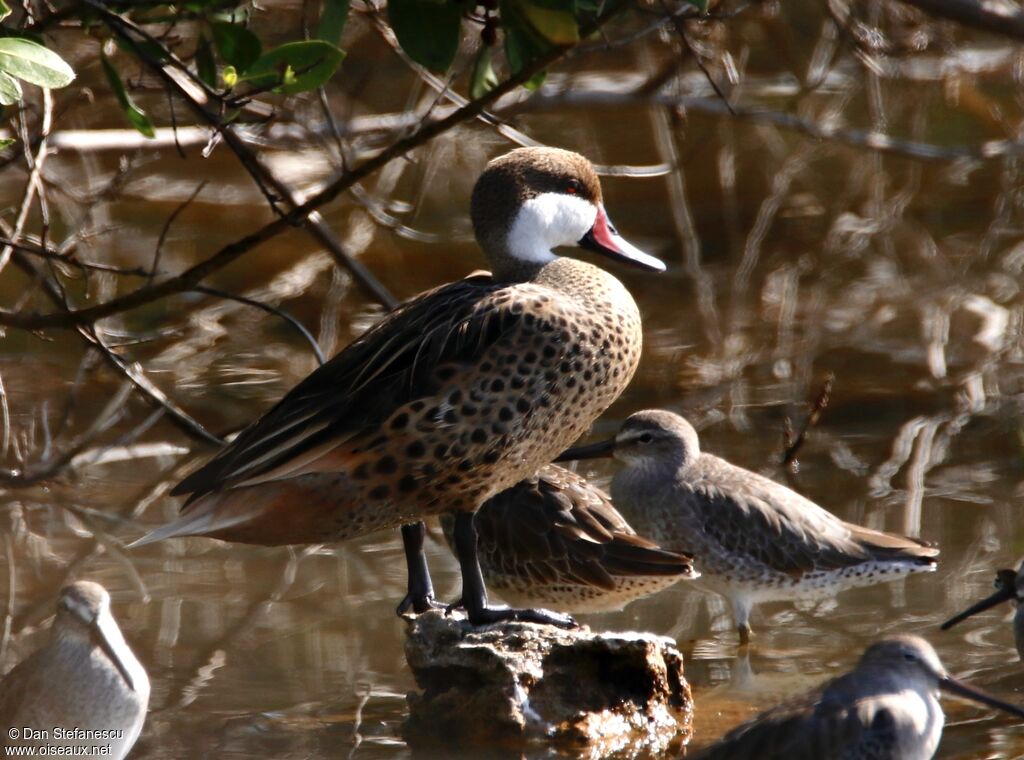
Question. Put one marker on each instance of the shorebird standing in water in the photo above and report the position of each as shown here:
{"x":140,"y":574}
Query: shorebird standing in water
{"x":455,"y":396}
{"x":886,"y":708}
{"x":85,"y":679}
{"x":1009,"y":588}
{"x":753,"y":539}
{"x":557,"y":540}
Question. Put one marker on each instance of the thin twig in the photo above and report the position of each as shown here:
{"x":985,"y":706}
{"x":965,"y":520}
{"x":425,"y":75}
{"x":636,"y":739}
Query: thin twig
{"x":272,"y":188}
{"x":794,"y":444}
{"x":49,"y":253}
{"x":616,"y":98}
{"x":299,"y":327}
{"x":680,"y":27}
{"x":133,"y":372}
{"x":229,"y":253}
{"x":1005,"y":19}
{"x":33,"y":184}
{"x":154,"y":267}
{"x":48,"y":468}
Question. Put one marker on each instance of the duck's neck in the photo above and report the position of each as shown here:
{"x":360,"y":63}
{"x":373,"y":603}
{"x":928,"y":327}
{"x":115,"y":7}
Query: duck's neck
{"x":520,"y":264}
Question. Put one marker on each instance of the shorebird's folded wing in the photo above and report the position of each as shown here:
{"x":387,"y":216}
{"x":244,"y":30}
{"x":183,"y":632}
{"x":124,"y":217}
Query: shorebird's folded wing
{"x":749,"y":514}
{"x":805,"y":728}
{"x":17,"y":689}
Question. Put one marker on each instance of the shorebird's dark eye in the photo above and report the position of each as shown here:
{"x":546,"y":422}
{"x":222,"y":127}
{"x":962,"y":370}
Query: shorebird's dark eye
{"x":574,"y":187}
{"x":910,"y":657}
{"x":646,"y":438}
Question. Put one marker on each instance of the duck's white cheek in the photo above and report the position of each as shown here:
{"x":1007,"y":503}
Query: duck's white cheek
{"x":550,"y":220}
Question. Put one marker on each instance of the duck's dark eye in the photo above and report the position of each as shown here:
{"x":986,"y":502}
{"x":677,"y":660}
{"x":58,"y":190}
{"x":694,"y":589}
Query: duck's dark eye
{"x":574,"y":187}
{"x":910,"y":657}
{"x":646,"y":438}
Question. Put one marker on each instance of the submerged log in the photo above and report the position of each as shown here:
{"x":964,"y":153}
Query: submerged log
{"x":591,"y":694}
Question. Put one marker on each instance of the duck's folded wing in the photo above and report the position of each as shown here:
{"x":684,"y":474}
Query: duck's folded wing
{"x":558,"y":528}
{"x":396,"y":361}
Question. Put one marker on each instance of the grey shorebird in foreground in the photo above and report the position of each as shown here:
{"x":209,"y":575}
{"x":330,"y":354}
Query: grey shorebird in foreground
{"x":886,"y":708}
{"x":1009,"y":588}
{"x":556,"y":540}
{"x":455,"y":396}
{"x":753,"y":539}
{"x":85,"y":679}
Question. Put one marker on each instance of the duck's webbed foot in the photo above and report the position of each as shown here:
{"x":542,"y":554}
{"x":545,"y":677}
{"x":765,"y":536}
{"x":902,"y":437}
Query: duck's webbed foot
{"x":420,"y":596}
{"x":474,"y":593}
{"x":500,"y":614}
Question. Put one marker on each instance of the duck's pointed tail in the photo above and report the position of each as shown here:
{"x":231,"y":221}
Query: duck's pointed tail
{"x":203,"y":517}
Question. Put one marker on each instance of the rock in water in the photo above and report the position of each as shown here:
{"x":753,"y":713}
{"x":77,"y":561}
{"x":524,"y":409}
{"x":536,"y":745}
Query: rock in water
{"x":516,"y":683}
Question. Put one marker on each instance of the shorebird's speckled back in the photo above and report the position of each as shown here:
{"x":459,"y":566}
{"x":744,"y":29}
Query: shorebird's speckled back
{"x":753,"y":539}
{"x":886,"y":708}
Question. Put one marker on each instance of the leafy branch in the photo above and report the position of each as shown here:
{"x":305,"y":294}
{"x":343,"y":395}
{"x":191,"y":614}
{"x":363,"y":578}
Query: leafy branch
{"x":192,"y":276}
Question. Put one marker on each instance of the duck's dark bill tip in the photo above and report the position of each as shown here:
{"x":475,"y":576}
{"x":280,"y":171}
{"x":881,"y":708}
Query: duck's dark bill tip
{"x":602,"y":238}
{"x":1004,"y":593}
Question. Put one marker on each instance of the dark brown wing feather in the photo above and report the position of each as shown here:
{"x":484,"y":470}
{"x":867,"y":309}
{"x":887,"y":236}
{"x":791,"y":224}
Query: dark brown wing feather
{"x":558,"y":528}
{"x":392,"y":363}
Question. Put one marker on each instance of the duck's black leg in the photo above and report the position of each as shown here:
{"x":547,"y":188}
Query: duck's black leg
{"x":421,"y":591}
{"x":474,"y":594}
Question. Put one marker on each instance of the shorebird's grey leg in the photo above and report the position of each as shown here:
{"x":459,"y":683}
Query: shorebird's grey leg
{"x":474,"y":593}
{"x":420,"y":596}
{"x":741,"y":607}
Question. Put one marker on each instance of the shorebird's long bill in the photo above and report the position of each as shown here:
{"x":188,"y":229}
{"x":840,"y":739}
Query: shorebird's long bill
{"x":590,"y":451}
{"x":604,"y":239}
{"x":1005,"y":591}
{"x":107,"y":639}
{"x":969,"y":692}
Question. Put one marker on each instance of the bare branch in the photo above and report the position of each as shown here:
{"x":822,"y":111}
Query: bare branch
{"x":229,"y":253}
{"x":299,"y":327}
{"x":999,"y":17}
{"x":155,"y":266}
{"x":794,"y":444}
{"x":35,"y":167}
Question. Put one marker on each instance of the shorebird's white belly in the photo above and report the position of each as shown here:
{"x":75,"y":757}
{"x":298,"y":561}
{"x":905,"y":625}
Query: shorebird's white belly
{"x":817,"y":584}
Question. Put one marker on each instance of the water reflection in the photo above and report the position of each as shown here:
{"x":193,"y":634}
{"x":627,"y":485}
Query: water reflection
{"x":789,"y":258}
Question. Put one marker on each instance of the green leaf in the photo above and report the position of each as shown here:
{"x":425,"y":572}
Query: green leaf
{"x":701,"y":5}
{"x":6,"y":142}
{"x":557,"y":25}
{"x":332,"y":21}
{"x":32,"y":62}
{"x":428,"y":30}
{"x":522,"y":43}
{"x":237,"y":45}
{"x":206,"y":67}
{"x":135,"y":115}
{"x":5,"y":10}
{"x":295,"y":67}
{"x":10,"y":89}
{"x":483,"y":79}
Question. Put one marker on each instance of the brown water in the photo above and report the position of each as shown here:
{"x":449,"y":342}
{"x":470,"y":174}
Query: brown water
{"x":788,"y":259}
